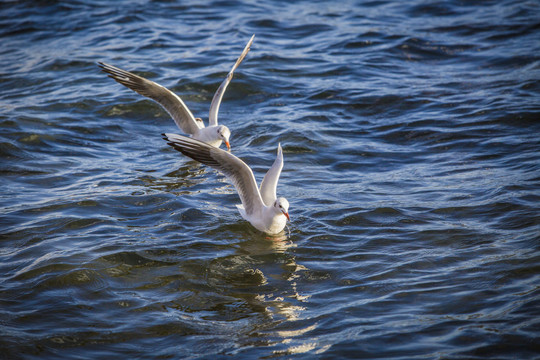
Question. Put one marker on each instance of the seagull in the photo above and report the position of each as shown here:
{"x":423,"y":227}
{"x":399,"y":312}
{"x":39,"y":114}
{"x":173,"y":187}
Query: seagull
{"x":214,"y":134}
{"x":260,"y":207}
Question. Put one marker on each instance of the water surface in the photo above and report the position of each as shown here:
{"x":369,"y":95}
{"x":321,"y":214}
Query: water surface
{"x":411,"y":141}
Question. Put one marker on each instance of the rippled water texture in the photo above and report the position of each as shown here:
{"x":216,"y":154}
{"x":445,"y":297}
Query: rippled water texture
{"x":410,"y":132}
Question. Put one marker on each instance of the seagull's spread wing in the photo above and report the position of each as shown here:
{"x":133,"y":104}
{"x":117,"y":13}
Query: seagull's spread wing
{"x":216,"y":101}
{"x":269,"y":183}
{"x":235,"y":169}
{"x":167,"y":99}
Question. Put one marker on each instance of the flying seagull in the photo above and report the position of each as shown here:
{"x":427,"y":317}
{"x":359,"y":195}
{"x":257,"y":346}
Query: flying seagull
{"x":213,"y":134}
{"x":260,"y":207}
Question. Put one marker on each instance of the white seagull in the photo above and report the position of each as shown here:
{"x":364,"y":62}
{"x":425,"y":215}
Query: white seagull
{"x":261,"y":208}
{"x":214,"y":134}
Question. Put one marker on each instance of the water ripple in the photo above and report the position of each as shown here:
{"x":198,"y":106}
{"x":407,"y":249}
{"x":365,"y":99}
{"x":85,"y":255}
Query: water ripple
{"x":409,"y":132}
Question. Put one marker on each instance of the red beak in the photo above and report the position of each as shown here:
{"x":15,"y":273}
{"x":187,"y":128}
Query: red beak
{"x":287,"y":215}
{"x":228,"y":145}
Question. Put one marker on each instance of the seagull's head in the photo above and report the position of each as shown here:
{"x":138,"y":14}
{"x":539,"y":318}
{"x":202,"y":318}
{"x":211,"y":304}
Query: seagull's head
{"x":281,"y":205}
{"x":223,"y":134}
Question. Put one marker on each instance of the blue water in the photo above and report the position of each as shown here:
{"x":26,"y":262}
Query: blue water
{"x":411,"y":140}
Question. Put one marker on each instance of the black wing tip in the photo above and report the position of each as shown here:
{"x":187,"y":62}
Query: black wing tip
{"x":104,"y":66}
{"x":110,"y":69}
{"x":172,"y":143}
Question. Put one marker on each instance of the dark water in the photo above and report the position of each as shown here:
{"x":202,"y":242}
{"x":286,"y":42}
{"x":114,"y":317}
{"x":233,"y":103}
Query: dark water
{"x":412,"y":165}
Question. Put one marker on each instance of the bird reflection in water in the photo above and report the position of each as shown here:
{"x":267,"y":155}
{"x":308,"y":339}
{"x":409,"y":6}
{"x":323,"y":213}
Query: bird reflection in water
{"x":261,"y":272}
{"x":263,"y":275}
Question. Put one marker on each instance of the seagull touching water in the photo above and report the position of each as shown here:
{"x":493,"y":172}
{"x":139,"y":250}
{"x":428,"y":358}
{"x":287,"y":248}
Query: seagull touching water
{"x":214,"y":134}
{"x":261,"y":208}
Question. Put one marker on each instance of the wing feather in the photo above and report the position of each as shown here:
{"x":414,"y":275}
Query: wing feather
{"x":180,"y":113}
{"x":237,"y":171}
{"x":269,"y":183}
{"x":216,"y":100}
